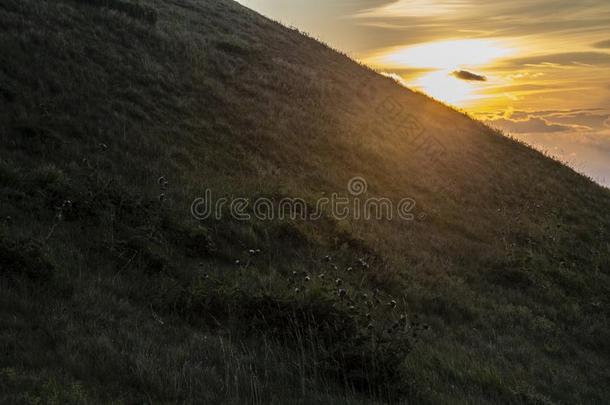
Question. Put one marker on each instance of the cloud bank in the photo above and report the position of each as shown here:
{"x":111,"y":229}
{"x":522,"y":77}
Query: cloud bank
{"x":550,"y":121}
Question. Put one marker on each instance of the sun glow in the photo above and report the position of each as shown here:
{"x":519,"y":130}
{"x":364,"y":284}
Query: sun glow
{"x":445,"y":54}
{"x":444,"y":87}
{"x":439,"y":60}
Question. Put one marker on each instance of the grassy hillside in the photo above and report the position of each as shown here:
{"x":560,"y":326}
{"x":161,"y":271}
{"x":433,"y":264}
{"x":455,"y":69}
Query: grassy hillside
{"x":116,"y":114}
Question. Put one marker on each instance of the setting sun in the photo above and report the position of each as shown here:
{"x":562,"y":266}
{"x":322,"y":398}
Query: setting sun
{"x":444,"y":87}
{"x":438,"y":62}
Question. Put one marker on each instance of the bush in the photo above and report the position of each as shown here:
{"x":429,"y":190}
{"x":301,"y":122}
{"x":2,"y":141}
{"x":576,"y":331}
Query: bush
{"x":355,"y":335}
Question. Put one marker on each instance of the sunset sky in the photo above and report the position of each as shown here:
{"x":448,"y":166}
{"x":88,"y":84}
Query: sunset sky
{"x":537,"y":69}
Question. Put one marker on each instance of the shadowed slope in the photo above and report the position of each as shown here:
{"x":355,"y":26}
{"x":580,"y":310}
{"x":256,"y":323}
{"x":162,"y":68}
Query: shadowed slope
{"x":112,"y":291}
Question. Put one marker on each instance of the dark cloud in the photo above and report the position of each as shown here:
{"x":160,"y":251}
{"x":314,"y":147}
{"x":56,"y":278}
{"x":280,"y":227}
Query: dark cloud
{"x":602,"y":44}
{"x":466,"y":75}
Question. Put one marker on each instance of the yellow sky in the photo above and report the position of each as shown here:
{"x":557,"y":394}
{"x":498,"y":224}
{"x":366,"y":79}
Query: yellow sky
{"x":539,"y":69}
{"x":440,"y":62}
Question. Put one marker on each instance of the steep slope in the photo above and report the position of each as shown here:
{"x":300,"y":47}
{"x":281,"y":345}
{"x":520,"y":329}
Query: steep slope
{"x":117,"y":114}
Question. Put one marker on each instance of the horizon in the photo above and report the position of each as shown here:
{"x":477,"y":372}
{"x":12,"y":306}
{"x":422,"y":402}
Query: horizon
{"x":538,"y":71}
